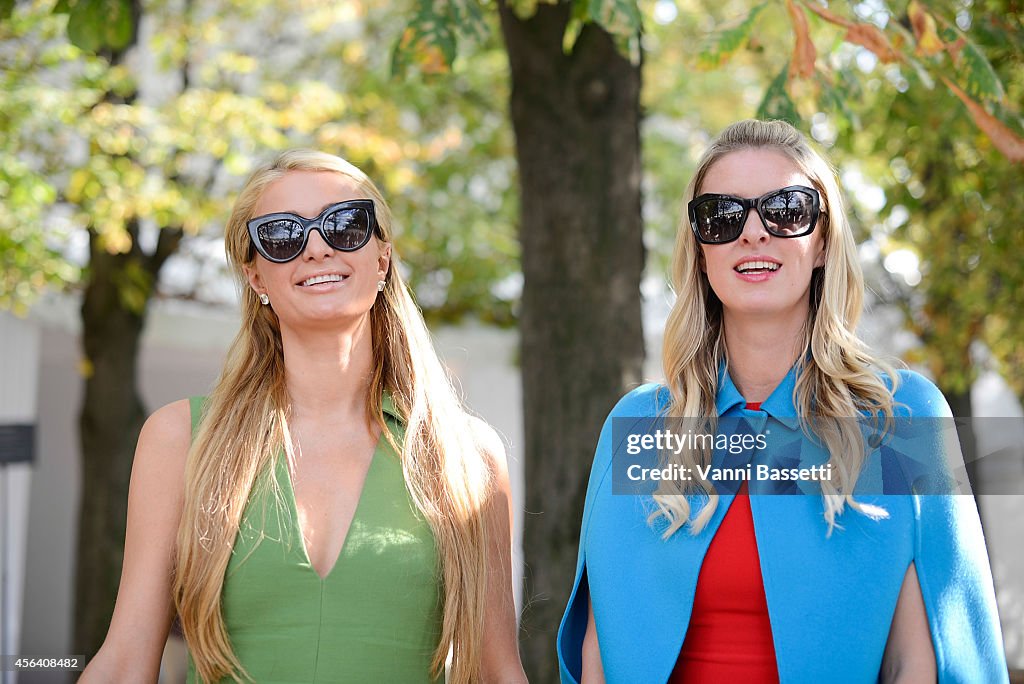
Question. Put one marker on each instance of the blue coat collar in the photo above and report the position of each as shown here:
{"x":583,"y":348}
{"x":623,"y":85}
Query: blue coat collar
{"x":779,"y":404}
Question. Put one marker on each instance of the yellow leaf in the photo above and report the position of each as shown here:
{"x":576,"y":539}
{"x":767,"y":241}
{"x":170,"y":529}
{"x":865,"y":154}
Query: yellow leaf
{"x":928,"y":42}
{"x":77,"y":184}
{"x":866,"y":35}
{"x":1004,"y":139}
{"x":115,"y":240}
{"x":869,"y":36}
{"x":804,"y":53}
{"x":431,"y":60}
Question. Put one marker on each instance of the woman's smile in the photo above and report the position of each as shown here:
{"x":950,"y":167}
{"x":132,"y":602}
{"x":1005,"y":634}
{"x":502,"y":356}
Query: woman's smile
{"x":757,"y":269}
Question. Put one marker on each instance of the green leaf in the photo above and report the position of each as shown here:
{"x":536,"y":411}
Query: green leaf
{"x":776,"y":103}
{"x":523,"y":9}
{"x":617,"y":17}
{"x":980,"y":79}
{"x":573,"y":28}
{"x":947,"y":34}
{"x":86,"y":25}
{"x":429,"y":33}
{"x":119,"y":29}
{"x":431,"y":37}
{"x":975,"y":73}
{"x":467,"y":17}
{"x":6,"y":9}
{"x":97,"y":24}
{"x":725,"y":43}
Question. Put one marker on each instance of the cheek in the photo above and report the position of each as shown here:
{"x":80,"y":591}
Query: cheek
{"x":369,"y":263}
{"x":276,"y":277}
{"x":717,"y":270}
{"x":713,"y":262}
{"x":814,"y":254}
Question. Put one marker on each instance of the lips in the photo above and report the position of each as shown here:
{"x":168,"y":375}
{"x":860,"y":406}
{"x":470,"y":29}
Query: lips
{"x":322,"y":278}
{"x":756,"y":266}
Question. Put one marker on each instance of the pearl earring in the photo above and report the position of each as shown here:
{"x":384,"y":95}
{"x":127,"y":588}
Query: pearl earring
{"x":264,"y":298}
{"x":381,"y":284}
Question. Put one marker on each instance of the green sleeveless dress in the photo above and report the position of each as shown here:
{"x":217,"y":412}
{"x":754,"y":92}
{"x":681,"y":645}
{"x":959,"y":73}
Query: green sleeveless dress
{"x":377,"y":614}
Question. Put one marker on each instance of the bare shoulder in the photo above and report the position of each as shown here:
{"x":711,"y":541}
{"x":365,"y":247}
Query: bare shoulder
{"x":491,"y":448}
{"x":157,"y":486}
{"x":169,"y":425}
{"x":163,"y":446}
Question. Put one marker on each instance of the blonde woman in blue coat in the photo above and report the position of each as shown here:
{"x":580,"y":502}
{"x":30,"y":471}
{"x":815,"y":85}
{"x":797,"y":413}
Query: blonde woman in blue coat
{"x":860,"y":582}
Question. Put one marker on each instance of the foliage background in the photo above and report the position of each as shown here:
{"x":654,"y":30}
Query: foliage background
{"x":126,"y":127}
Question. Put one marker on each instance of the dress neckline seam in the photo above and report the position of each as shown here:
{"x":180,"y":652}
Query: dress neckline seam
{"x":294,"y":508}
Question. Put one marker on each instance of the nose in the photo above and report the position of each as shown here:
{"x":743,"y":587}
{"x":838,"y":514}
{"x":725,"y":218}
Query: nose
{"x":316,"y":247}
{"x":754,"y":230}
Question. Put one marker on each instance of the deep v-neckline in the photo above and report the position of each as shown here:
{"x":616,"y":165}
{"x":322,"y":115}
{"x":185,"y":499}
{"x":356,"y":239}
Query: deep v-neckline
{"x":293,"y":501}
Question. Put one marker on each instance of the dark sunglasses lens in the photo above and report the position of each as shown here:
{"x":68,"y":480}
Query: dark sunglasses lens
{"x":281,"y":238}
{"x":789,"y":212}
{"x":719,"y":220}
{"x":348,"y":228}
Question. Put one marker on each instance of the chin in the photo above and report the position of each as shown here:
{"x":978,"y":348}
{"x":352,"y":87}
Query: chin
{"x":762,"y":307}
{"x":339,"y":315}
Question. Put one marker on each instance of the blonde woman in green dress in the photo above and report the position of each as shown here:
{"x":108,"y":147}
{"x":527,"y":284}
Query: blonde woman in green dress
{"x":330,"y":513}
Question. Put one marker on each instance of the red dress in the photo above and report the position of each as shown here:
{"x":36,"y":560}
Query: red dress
{"x":730,"y":637}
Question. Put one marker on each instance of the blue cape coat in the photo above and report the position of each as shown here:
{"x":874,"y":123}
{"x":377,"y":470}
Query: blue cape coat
{"x":830,"y":598}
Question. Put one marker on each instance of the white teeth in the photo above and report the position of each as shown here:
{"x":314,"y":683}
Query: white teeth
{"x":328,"y":278}
{"x":757,"y":266}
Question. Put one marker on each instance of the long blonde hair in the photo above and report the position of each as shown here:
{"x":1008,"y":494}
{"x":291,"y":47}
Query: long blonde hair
{"x":834,"y":382}
{"x":245,"y":425}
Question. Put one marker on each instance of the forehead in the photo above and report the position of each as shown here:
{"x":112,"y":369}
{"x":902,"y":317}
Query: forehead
{"x":751,"y":173}
{"x":306,"y":193}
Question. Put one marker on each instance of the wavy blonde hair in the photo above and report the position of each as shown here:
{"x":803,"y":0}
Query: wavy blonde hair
{"x":245,"y":425}
{"x":837,"y":380}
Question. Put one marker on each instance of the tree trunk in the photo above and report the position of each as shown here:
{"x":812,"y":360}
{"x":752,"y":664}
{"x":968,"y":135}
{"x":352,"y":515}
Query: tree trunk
{"x":576,"y":119}
{"x":118,"y":288}
{"x":117,"y":292}
{"x":960,"y":404}
{"x":109,"y":424}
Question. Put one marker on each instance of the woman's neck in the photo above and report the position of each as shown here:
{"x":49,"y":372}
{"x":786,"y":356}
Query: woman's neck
{"x":761,"y":352}
{"x":328,"y":372}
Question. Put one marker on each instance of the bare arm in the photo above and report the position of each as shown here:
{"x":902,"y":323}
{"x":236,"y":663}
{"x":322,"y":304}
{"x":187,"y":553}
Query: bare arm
{"x":909,"y":656}
{"x":593,"y":670}
{"x":144,"y":608}
{"x":500,"y":663}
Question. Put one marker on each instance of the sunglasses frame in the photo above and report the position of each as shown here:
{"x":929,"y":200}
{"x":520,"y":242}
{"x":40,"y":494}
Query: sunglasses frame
{"x":308,"y":224}
{"x":755,"y":204}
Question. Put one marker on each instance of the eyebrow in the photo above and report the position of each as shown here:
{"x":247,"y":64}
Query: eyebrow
{"x":320,"y":211}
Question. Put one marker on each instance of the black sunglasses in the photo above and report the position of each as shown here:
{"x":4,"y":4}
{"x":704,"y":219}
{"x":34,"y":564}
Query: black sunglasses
{"x":788,"y":213}
{"x":345,"y":226}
